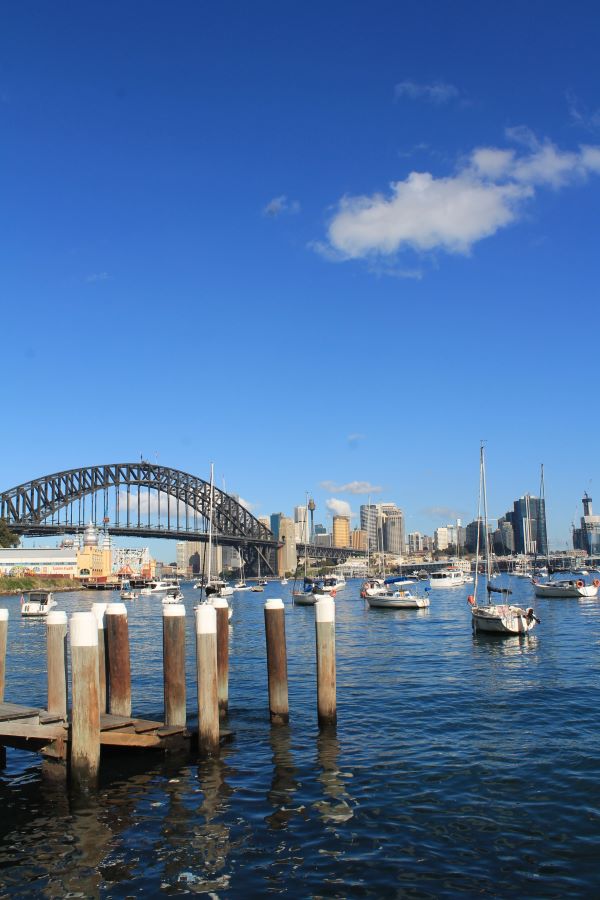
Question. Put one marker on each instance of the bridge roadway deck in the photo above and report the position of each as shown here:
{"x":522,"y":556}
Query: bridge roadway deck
{"x":30,"y":728}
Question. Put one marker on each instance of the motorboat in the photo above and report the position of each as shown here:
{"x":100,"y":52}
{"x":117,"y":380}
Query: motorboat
{"x":126,"y":592}
{"x":381,"y":586}
{"x":494,"y":618}
{"x":241,"y":586}
{"x":257,"y":588}
{"x":575,"y":586}
{"x":330,"y":584}
{"x":218,"y":588}
{"x":173,"y":595}
{"x":37,"y":604}
{"x":449,"y":577}
{"x":398,"y":599}
{"x":284,"y":581}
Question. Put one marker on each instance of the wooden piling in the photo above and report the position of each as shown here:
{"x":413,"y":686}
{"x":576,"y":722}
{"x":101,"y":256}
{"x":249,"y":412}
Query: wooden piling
{"x":99,"y":609}
{"x":56,"y":638}
{"x":325,"y":633}
{"x":206,"y":666}
{"x":118,"y":664}
{"x":277,"y":662}
{"x":3,"y":639}
{"x":84,"y":745}
{"x":222,"y":609}
{"x":174,"y":663}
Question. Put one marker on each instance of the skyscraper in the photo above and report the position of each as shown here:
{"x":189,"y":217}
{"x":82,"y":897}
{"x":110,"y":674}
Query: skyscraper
{"x":588,"y":536}
{"x":341,"y":531}
{"x":529,"y":525}
{"x":384,"y":524}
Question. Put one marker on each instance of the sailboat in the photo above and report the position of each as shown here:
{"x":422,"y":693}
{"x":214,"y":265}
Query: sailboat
{"x":212,"y":587}
{"x":304,"y":596}
{"x":258,"y":588}
{"x":241,"y":584}
{"x":502,"y":619}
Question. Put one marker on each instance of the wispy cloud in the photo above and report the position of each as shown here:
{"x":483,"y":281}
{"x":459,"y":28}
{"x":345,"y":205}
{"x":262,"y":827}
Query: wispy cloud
{"x":581,"y":114}
{"x":338,"y":507}
{"x":488,"y":191}
{"x":279,"y":206}
{"x":352,"y":487}
{"x":247,"y":505}
{"x":437,"y":92}
{"x":97,"y":276}
{"x":355,"y":438}
{"x":443,"y":513}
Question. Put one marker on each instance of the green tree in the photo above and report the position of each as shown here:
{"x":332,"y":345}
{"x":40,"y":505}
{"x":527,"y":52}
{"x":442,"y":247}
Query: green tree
{"x":7,"y":537}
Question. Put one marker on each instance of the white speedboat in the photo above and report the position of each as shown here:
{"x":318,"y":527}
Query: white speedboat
{"x":173,"y":595}
{"x":373,"y":587}
{"x":128,"y":594}
{"x":447,"y":578}
{"x":241,"y":586}
{"x":399,"y":599}
{"x":566,"y":587}
{"x":37,"y":604}
{"x":284,"y":581}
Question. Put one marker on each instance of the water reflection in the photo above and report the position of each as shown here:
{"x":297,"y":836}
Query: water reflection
{"x":284,"y":783}
{"x":337,"y":807}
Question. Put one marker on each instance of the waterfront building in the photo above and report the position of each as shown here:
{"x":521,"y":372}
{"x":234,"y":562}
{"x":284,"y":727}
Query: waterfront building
{"x":373,"y":518}
{"x":472,"y":529}
{"x":48,"y":561}
{"x":94,"y":560}
{"x":587,"y":537}
{"x":416,"y":542}
{"x":189,"y":556}
{"x":341,"y":531}
{"x":359,"y":539}
{"x":275,"y":522}
{"x":393,"y":531}
{"x":133,"y":561}
{"x":504,"y":537}
{"x":529,"y":525}
{"x":440,"y":538}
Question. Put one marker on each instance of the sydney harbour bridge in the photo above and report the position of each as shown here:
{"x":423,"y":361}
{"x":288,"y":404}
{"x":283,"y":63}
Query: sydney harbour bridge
{"x":144,"y":500}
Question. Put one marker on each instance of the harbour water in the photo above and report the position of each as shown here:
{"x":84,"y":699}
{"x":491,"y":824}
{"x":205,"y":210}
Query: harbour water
{"x":461,"y":765}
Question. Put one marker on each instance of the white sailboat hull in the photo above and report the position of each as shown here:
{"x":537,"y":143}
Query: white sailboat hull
{"x":502,"y":619}
{"x":308,"y":599}
{"x":565,"y":590}
{"x":397,"y":601}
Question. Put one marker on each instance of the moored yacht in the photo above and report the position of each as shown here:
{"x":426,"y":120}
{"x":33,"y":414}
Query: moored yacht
{"x":37,"y":604}
{"x":574,"y":586}
{"x":447,"y":577}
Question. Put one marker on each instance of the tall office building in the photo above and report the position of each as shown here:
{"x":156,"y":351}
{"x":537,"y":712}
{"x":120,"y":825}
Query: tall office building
{"x":358,"y":539}
{"x":587,"y":537}
{"x":384,"y":524}
{"x":275,"y":521}
{"x":441,"y":538}
{"x":341,"y":531}
{"x":286,"y":557}
{"x":301,"y":524}
{"x":415,"y":542}
{"x":393,"y":531}
{"x":529,"y":525}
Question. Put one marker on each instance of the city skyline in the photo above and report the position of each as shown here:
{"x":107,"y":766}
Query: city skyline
{"x":187,"y":196}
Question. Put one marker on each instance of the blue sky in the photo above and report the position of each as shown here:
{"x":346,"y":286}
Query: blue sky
{"x":314,"y":243}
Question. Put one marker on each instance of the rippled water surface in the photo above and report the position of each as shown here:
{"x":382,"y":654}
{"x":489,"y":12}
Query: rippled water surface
{"x":461,"y":765}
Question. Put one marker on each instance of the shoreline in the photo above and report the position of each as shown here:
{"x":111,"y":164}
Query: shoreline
{"x":11,"y":586}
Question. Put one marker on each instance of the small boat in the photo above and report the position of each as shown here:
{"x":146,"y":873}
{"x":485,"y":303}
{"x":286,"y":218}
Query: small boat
{"x":284,"y":581}
{"x":449,"y":577}
{"x":575,"y":586}
{"x":257,"y":588}
{"x":500,"y":618}
{"x":173,"y":595}
{"x":126,"y":592}
{"x":399,"y":599}
{"x":37,"y":604}
{"x":241,"y":586}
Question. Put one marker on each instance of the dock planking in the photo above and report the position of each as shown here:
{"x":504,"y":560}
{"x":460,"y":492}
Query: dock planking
{"x":31,"y":728}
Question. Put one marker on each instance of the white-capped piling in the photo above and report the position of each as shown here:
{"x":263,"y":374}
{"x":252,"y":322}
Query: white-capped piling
{"x":222,"y":610}
{"x":118,"y":663}
{"x":99,"y":610}
{"x":3,"y":639}
{"x":56,"y":642}
{"x":277,"y":662}
{"x":206,"y":667}
{"x":84,"y":753}
{"x":174,"y":663}
{"x":325,"y":633}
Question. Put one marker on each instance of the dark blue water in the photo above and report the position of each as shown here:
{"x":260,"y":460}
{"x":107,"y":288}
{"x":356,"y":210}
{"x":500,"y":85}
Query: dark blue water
{"x":461,"y":765}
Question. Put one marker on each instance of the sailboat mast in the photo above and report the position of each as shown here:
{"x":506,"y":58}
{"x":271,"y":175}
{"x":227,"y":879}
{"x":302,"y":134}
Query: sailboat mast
{"x":210,"y":516}
{"x":305,"y":532}
{"x":485,"y":521}
{"x":478,"y":523}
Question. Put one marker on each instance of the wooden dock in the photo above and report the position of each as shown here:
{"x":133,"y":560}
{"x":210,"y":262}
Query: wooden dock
{"x":29,"y":728}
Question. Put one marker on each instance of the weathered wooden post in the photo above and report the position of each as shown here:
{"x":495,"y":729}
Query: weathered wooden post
{"x":118,"y":664}
{"x":206,"y":665}
{"x":3,"y":640}
{"x":174,"y":663}
{"x":56,"y":637}
{"x":222,"y":609}
{"x":277,"y":662}
{"x":325,"y":631}
{"x":84,"y":754}
{"x":99,"y":609}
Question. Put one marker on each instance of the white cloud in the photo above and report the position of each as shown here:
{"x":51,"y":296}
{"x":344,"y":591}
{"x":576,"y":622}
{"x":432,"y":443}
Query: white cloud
{"x":354,"y":438}
{"x":338,"y":507}
{"x":445,"y":513}
{"x":246,"y":504}
{"x":352,"y":487}
{"x":451,"y":213}
{"x":279,"y":205}
{"x":437,"y":92}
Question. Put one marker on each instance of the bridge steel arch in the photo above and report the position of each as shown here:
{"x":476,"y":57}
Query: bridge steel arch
{"x":35,"y":507}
